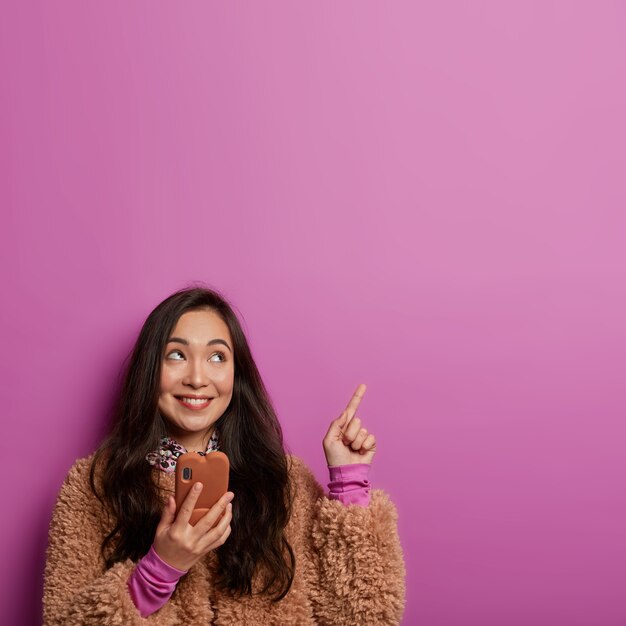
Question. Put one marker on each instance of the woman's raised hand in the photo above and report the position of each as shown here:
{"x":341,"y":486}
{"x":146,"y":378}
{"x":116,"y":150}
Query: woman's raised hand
{"x":346,"y":442}
{"x":182,"y":545}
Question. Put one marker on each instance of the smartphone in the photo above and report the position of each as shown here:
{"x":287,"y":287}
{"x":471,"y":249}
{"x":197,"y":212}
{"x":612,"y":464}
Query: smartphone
{"x":211,"y":470}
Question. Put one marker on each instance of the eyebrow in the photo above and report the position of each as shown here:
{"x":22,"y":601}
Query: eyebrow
{"x":186,"y":343}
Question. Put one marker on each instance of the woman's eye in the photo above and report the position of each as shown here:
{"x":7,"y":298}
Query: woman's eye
{"x":175,"y":352}
{"x":221,"y":356}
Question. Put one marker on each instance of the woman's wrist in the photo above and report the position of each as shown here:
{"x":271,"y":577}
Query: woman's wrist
{"x":152,"y":583}
{"x":350,"y":483}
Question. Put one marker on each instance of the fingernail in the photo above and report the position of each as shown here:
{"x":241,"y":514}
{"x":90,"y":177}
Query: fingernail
{"x":197,"y":486}
{"x":229,"y":497}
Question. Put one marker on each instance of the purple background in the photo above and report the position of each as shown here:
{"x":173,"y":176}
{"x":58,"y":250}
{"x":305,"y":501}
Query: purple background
{"x":428,"y":198}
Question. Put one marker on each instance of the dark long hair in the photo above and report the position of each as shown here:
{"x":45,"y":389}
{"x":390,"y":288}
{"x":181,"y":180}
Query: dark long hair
{"x":249,"y":433}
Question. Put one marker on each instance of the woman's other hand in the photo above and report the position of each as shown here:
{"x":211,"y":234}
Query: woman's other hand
{"x":346,"y":441}
{"x":182,"y":545}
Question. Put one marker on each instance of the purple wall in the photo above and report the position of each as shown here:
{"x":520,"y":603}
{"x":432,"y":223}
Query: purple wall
{"x":426,"y":198}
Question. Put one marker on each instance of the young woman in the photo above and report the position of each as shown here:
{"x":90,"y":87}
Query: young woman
{"x":274,"y":549}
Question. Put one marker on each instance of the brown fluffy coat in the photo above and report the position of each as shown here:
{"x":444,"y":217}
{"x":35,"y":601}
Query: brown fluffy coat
{"x":349,"y":565}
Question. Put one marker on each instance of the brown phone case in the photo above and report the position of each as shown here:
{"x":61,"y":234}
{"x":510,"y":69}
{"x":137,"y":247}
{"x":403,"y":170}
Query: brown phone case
{"x":211,"y":470}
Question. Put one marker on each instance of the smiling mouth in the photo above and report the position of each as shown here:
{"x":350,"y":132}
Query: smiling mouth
{"x":194,"y":403}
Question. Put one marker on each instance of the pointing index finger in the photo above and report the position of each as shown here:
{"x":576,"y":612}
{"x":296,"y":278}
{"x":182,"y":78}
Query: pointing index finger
{"x":355,"y":401}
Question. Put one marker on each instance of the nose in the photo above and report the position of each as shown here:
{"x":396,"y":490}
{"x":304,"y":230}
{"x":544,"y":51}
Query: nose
{"x":197,"y":374}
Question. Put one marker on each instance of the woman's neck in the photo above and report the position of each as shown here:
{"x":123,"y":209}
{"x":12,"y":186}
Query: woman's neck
{"x":192,"y":442}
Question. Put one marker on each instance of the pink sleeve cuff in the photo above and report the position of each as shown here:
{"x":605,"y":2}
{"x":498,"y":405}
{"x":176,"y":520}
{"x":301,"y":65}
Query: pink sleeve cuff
{"x":152,"y":583}
{"x":349,"y":484}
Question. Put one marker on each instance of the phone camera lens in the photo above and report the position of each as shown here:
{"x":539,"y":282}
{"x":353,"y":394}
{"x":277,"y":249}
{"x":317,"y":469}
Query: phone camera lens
{"x":186,"y":473}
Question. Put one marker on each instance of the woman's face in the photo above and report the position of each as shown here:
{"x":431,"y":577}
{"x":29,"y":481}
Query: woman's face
{"x":197,"y":377}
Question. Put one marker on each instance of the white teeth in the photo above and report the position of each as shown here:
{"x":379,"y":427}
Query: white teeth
{"x":195,"y":400}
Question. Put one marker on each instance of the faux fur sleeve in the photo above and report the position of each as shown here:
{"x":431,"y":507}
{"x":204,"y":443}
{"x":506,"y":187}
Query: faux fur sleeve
{"x":355,"y":566}
{"x":77,"y":589}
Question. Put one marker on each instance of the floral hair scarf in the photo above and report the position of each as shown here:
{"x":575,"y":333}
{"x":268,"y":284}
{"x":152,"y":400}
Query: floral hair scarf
{"x":166,"y":455}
